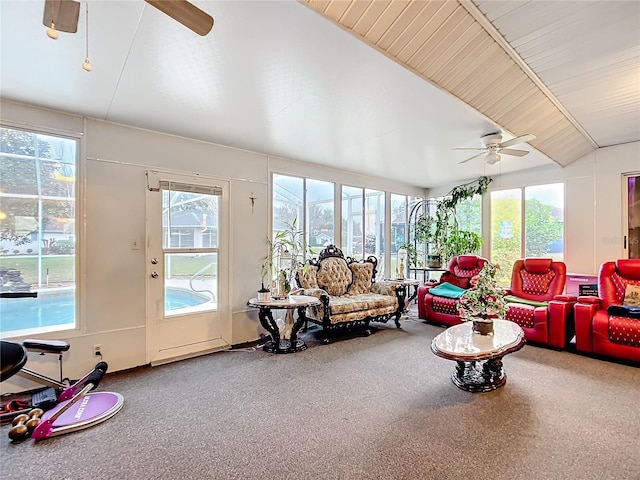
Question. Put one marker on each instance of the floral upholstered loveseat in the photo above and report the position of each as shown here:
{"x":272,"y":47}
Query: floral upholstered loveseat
{"x":349,"y":295}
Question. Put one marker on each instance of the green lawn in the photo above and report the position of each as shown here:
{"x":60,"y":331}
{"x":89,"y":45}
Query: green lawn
{"x":61,"y":269}
{"x":187,"y":264}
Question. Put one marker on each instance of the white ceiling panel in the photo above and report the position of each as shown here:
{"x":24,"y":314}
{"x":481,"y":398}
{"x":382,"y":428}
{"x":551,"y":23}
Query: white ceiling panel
{"x":387,"y":87}
{"x":586,"y":53}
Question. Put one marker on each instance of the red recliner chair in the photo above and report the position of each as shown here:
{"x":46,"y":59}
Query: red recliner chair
{"x":443,"y":310}
{"x":536,"y":302}
{"x":599,"y":332}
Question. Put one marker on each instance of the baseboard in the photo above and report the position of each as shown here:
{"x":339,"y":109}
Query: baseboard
{"x":188,"y":351}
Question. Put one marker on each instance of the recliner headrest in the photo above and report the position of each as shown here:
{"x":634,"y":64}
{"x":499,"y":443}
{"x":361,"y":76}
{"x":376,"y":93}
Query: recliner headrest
{"x":537,"y":265}
{"x":629,"y":268}
{"x":467,"y":262}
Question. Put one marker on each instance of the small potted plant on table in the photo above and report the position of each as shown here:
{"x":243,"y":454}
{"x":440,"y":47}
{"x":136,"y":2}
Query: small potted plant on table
{"x":484,"y":301}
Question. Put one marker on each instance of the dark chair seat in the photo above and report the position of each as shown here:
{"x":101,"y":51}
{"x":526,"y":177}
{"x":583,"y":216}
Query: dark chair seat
{"x":13,"y":356}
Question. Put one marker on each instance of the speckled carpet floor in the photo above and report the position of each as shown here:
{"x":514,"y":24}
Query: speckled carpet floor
{"x":377,"y":407}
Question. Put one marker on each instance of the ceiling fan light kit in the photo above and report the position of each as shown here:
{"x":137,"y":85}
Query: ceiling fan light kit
{"x":63,"y":15}
{"x":492,"y":157}
{"x":52,"y":32}
{"x":494,"y":147}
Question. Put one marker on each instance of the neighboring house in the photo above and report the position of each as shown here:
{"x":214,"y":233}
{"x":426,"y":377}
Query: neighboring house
{"x":192,"y":228}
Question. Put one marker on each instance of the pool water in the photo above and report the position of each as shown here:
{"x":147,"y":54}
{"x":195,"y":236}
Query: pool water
{"x":52,"y":310}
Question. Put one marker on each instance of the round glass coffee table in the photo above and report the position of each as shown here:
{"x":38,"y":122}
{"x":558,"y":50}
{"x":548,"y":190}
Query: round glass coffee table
{"x":290,"y":303}
{"x":478,"y":357}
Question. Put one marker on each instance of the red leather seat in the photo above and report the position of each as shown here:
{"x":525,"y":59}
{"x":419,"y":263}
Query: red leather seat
{"x":540,"y":309}
{"x":443,"y":310}
{"x":604,"y":334}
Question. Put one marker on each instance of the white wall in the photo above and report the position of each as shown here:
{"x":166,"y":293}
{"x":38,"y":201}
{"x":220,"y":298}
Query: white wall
{"x":113,"y":282}
{"x":593,"y":205}
{"x":112,"y":285}
{"x":593,"y":208}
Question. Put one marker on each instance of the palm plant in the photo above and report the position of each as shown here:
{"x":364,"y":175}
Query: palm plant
{"x":284,"y":253}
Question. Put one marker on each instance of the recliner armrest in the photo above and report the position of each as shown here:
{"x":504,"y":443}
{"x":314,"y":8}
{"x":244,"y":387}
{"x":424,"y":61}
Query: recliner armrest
{"x":588,"y":299}
{"x":565,"y":298}
{"x":583,"y":313}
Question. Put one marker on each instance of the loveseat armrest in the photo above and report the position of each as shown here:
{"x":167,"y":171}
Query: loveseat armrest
{"x":319,"y":293}
{"x":393,"y":289}
{"x":321,"y":312}
{"x":388,"y":287}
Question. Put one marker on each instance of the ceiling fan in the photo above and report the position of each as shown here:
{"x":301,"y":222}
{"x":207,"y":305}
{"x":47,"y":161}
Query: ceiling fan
{"x":494,"y":147}
{"x":62,"y":15}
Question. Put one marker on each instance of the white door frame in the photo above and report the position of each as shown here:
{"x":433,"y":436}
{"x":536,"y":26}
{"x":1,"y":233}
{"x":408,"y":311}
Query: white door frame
{"x":624,"y":245}
{"x":171,"y":338}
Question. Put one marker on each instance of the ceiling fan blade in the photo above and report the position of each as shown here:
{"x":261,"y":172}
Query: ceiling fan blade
{"x":471,"y":158}
{"x":468,"y":148}
{"x":521,"y":139}
{"x":186,"y":13}
{"x":514,"y":152}
{"x":63,"y":14}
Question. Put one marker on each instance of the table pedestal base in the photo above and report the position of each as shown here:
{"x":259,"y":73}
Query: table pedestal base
{"x":479,"y":376}
{"x":284,"y":346}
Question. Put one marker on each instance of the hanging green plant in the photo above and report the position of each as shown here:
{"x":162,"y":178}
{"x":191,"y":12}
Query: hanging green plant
{"x":440,"y":230}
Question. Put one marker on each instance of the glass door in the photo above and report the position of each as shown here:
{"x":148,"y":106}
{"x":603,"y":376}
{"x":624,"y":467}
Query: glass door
{"x":631,"y":202}
{"x":187,"y":272}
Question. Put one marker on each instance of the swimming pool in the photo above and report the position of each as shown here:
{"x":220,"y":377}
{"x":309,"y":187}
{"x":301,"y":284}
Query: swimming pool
{"x":51,"y":310}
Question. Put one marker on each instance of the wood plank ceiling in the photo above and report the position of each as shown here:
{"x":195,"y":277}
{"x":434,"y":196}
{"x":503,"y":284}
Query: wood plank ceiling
{"x":454,"y":46}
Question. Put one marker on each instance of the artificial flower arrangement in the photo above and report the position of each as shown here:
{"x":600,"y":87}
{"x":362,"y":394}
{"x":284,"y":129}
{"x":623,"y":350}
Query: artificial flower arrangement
{"x":484,"y":299}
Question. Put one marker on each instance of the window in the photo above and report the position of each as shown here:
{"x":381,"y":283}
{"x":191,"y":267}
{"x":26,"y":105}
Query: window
{"x":363,"y":216}
{"x":374,"y":226}
{"x":398,"y":229}
{"x":633,"y":215}
{"x":190,"y":223}
{"x":469,"y":215}
{"x":37,"y":230}
{"x":363,"y":224}
{"x":526,"y":222}
{"x":544,"y":221}
{"x":288,"y":201}
{"x":319,"y":215}
{"x":402,"y":207}
{"x":506,"y":240}
{"x":311,"y":204}
{"x":352,"y":230}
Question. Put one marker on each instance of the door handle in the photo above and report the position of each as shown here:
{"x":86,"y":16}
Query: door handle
{"x":154,"y":275}
{"x":154,"y":261}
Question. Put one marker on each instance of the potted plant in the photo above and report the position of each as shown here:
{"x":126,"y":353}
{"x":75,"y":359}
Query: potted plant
{"x":440,"y":230}
{"x":278,"y":266}
{"x":484,"y":301}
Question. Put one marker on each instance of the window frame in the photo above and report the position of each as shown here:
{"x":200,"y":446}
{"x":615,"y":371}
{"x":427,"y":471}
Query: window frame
{"x":79,"y":326}
{"x":522,"y":198}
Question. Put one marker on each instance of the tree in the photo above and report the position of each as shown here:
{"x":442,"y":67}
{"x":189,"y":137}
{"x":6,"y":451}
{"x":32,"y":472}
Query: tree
{"x":320,"y":218}
{"x":29,"y":169}
{"x":542,"y":229}
{"x":505,"y":236}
